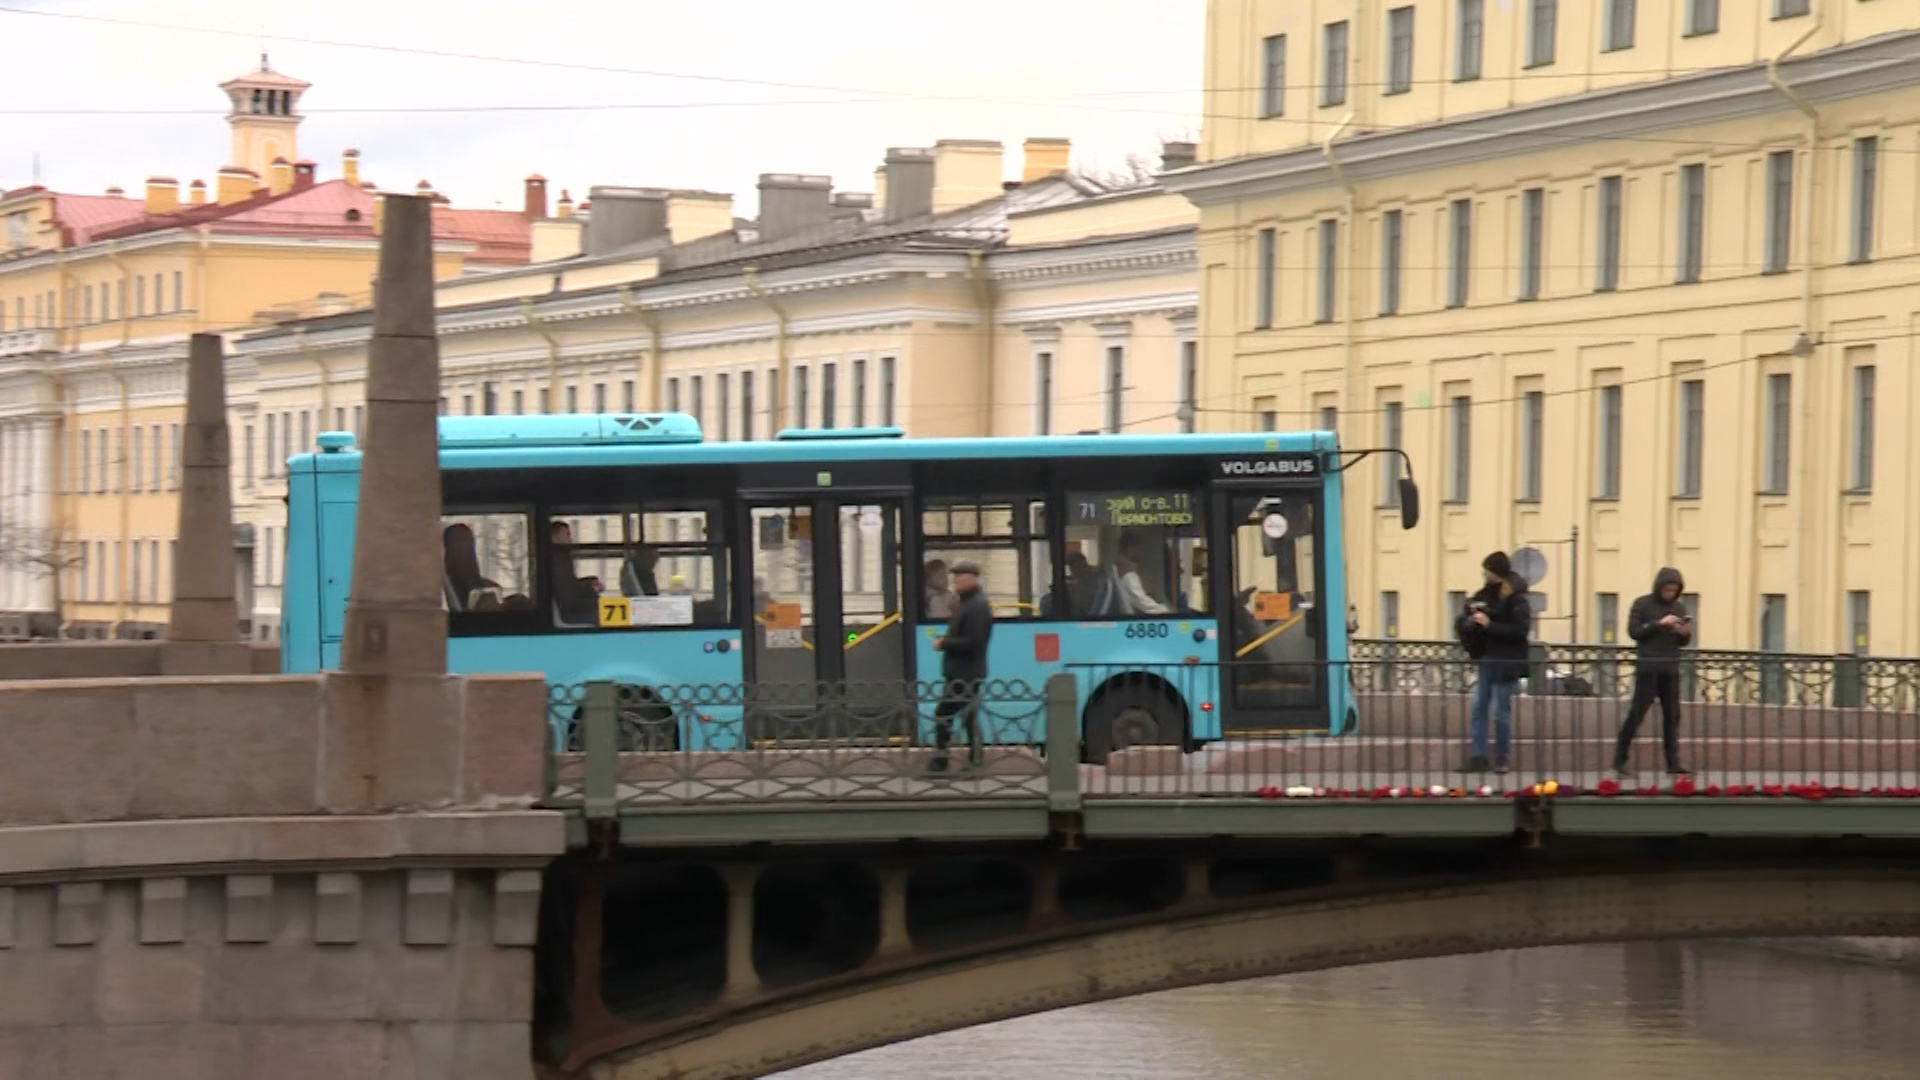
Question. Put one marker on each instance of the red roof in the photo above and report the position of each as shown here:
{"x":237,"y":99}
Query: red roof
{"x":85,"y":218}
{"x":332,"y":210}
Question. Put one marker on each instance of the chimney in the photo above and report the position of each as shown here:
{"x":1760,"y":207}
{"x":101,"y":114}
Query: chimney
{"x":908,"y":184}
{"x":624,"y":216}
{"x":163,"y":195}
{"x":197,"y":193}
{"x":235,"y":184}
{"x":1044,"y":158}
{"x":350,"y":167}
{"x":379,"y":214}
{"x":564,"y":209}
{"x":280,"y":176}
{"x":792,"y":203}
{"x":557,"y":238}
{"x":696,"y":215}
{"x":536,"y":197}
{"x":965,"y":172}
{"x":1178,"y":155}
{"x":303,"y":174}
{"x":850,"y":207}
{"x":880,"y":190}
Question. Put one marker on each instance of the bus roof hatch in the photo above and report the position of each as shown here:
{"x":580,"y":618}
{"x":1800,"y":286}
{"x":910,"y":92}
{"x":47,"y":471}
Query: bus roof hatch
{"x":837,"y":434}
{"x":568,"y":429}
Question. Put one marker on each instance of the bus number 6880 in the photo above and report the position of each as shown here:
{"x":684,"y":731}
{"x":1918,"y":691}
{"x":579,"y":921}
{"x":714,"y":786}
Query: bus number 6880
{"x":1147,"y":630}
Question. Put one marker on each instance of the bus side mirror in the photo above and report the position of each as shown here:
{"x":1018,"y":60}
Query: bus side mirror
{"x":1409,"y":503}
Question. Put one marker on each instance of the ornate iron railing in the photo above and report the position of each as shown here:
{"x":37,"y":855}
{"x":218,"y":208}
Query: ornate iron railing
{"x":1707,"y":675}
{"x":1387,"y":727}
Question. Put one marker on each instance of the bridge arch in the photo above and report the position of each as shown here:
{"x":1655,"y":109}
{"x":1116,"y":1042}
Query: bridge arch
{"x":1279,"y":936}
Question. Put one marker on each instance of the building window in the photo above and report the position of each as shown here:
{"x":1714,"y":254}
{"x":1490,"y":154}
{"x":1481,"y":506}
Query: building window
{"x":1703,"y":17}
{"x":1460,"y":450}
{"x":1329,"y":270}
{"x":1543,"y":18}
{"x":697,"y":397}
{"x":272,"y":470}
{"x":1607,"y":483}
{"x":1607,"y":272}
{"x":801,"y":398}
{"x":1692,"y":601}
{"x":600,"y":397}
{"x":746,"y":406}
{"x":140,"y":297}
{"x":1533,"y":240}
{"x":1866,"y":184}
{"x":1456,"y":606}
{"x":1619,"y":29}
{"x":306,"y":434}
{"x":1116,"y":386}
{"x":1607,"y":617}
{"x":859,"y":393}
{"x":1472,"y":34}
{"x":136,"y":476}
{"x":1273,"y":76}
{"x":673,"y":395}
{"x":546,"y":401}
{"x":246,"y":454}
{"x":1533,"y":443}
{"x":1859,"y":621}
{"x":1860,"y":457}
{"x":1399,"y":50}
{"x":1693,"y":438}
{"x":1264,"y":280}
{"x":466,"y":403}
{"x":1188,"y":412}
{"x":573,"y":399}
{"x":723,"y":389}
{"x":519,"y":402}
{"x":179,"y":293}
{"x":886,"y":391}
{"x":829,"y":395}
{"x":1269,"y":416}
{"x":360,"y":423}
{"x":1787,"y":9}
{"x":1779,"y":211}
{"x":1779,"y":434}
{"x":1329,"y":418}
{"x":1043,"y":393}
{"x":1693,"y":222}
{"x":173,"y":456}
{"x":1460,"y":268}
{"x":1392,"y":240}
{"x":1390,"y":433}
{"x":1390,"y":614}
{"x":1773,"y":622}
{"x":1333,"y":62}
{"x":86,"y":461}
{"x":628,"y":399}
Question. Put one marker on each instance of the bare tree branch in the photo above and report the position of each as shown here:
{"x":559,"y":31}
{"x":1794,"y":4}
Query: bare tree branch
{"x":40,"y":552}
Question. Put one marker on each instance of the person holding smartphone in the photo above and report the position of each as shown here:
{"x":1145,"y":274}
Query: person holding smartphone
{"x":1660,"y":627}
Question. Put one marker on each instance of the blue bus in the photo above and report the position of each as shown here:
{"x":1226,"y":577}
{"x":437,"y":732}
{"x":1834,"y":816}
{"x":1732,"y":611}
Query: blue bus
{"x":627,"y":548}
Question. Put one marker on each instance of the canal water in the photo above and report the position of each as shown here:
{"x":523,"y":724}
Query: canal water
{"x":1693,"y":1010}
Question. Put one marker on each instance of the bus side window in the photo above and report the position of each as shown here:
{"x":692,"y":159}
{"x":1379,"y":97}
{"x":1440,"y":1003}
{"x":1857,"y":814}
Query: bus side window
{"x":1131,"y":554}
{"x":1006,"y":535}
{"x":486,"y":560}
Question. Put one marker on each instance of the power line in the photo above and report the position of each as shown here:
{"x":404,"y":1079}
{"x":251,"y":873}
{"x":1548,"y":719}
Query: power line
{"x":870,"y":93}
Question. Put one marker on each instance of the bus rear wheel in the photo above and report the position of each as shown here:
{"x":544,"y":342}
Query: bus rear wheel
{"x":1129,"y":716}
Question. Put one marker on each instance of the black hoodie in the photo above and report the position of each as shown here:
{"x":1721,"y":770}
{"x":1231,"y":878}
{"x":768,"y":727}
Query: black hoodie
{"x":1656,"y":646}
{"x":1503,"y":641}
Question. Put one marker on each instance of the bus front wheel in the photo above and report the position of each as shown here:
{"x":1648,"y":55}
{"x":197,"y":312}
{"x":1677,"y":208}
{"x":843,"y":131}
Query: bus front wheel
{"x":1128,"y":716}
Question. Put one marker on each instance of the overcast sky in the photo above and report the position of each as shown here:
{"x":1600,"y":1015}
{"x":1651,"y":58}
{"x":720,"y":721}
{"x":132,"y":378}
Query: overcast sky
{"x":858,"y":75}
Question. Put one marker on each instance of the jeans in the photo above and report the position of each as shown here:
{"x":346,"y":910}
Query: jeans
{"x":1495,"y":694}
{"x":1649,"y":687}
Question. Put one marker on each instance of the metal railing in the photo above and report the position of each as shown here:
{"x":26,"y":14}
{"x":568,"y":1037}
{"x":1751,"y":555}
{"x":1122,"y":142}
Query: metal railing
{"x":1402,"y":728}
{"x":1761,"y":678}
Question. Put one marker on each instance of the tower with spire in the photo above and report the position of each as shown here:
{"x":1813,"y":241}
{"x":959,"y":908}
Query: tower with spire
{"x":265,"y":117}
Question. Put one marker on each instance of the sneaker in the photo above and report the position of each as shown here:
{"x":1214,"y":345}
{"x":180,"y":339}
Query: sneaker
{"x":1475,"y":764}
{"x":1622,"y":773}
{"x":1677,"y":770}
{"x":1502,"y":766}
{"x":937,"y":765}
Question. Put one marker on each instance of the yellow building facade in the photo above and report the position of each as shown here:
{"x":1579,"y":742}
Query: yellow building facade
{"x":952,"y":302}
{"x":98,"y":297}
{"x":1632,"y":283}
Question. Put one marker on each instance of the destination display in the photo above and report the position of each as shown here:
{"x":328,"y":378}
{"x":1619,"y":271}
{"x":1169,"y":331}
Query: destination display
{"x":1132,"y":509}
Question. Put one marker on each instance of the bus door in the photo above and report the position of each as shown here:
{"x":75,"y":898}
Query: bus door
{"x":829,"y":655}
{"x":1267,"y":587}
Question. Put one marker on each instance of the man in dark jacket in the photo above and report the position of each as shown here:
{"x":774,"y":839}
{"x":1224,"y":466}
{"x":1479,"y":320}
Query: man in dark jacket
{"x":1659,"y":625}
{"x":1494,"y":629}
{"x":963,"y":665}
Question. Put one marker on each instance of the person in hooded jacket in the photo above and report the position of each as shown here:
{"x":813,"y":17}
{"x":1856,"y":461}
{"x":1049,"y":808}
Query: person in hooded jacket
{"x":1660,"y":627}
{"x":1494,"y":630}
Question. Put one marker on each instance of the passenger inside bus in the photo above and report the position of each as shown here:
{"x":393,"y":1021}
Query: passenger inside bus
{"x":466,"y":588}
{"x":939,"y":596}
{"x":575,"y":599}
{"x":1133,"y":593}
{"x":637,"y":576}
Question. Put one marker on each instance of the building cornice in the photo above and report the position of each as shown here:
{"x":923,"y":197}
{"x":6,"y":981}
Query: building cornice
{"x":1159,"y":252}
{"x":1174,"y":305}
{"x":191,"y":237}
{"x":1878,"y":65}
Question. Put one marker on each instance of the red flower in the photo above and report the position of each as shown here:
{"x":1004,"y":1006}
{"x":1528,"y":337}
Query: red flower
{"x":1772,"y":791}
{"x":1608,"y":788}
{"x":1683,"y":787}
{"x":1846,"y":792}
{"x":1712,"y":791}
{"x":1648,"y":790}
